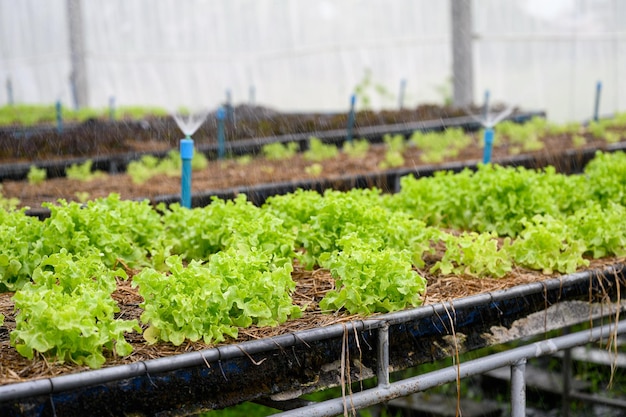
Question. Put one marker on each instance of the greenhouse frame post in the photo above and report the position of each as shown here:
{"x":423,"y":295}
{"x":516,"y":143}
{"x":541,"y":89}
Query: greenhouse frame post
{"x":78,"y":76}
{"x":462,"y":57}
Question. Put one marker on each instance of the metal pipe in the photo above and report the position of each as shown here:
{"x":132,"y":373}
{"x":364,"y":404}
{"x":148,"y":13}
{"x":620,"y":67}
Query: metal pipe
{"x":486,"y":106}
{"x":567,"y":380}
{"x":252,"y":94}
{"x":112,"y":108}
{"x":401,"y":94}
{"x":383,"y":356}
{"x":518,"y":389}
{"x":475,"y":367}
{"x":594,"y":399}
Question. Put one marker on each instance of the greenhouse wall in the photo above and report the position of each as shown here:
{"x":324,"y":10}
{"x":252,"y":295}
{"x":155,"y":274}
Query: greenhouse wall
{"x":309,"y":56}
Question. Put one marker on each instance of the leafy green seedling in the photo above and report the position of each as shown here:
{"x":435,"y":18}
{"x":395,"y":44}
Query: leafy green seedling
{"x":319,"y":151}
{"x":36,"y":175}
{"x":278,"y":151}
{"x":357,"y":148}
{"x":82,"y":172}
{"x":314,"y":170}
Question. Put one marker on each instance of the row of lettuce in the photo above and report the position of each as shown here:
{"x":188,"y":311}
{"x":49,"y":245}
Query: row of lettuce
{"x":25,"y":115}
{"x":204,"y":273}
{"x":435,"y":147}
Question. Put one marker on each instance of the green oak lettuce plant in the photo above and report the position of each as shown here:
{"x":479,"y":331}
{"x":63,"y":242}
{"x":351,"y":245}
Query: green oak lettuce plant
{"x":606,"y":178}
{"x":20,"y":238}
{"x":371,"y":280}
{"x":36,"y":175}
{"x":149,"y":166}
{"x":395,"y":145}
{"x":356,"y":149}
{"x":319,"y":151}
{"x":67,"y":311}
{"x":474,"y":254}
{"x":278,"y":151}
{"x":547,"y":244}
{"x":602,"y":229}
{"x":8,"y":203}
{"x":236,"y":288}
{"x":436,"y":146}
{"x":119,"y":230}
{"x":83,"y":172}
{"x":201,"y":232}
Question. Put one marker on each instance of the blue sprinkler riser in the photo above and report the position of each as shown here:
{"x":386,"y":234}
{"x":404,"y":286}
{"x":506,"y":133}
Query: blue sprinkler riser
{"x":351,"y":117}
{"x":59,"y":114}
{"x":186,"y":155}
{"x":488,"y":145}
{"x":221,"y":136}
{"x":596,"y":107}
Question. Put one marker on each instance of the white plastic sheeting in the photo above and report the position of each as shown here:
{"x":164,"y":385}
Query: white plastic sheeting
{"x":310,"y":55}
{"x":550,"y":54}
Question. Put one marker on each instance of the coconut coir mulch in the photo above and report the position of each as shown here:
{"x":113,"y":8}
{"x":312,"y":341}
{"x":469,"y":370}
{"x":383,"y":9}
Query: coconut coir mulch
{"x":310,"y":288}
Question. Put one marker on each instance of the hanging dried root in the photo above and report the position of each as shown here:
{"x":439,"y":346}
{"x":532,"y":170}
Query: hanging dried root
{"x":457,"y":358}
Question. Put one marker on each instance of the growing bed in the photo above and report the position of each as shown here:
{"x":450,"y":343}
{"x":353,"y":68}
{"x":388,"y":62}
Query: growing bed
{"x":111,"y":146}
{"x":281,"y":368}
{"x":568,"y":148}
{"x":478,"y":303}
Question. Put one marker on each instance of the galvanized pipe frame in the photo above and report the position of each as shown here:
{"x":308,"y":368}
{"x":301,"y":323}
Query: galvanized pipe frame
{"x":294,"y":363}
{"x":515,"y":358}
